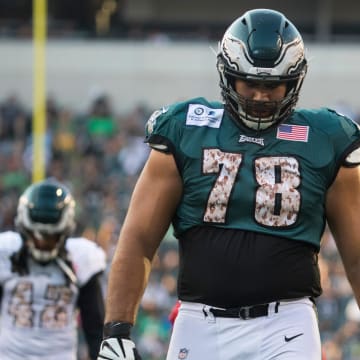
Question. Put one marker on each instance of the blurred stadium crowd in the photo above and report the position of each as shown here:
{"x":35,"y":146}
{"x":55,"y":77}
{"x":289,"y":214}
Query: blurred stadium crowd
{"x":99,"y":155}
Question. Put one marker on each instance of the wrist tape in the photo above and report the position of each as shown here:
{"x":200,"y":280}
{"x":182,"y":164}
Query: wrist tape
{"x":117,"y":329}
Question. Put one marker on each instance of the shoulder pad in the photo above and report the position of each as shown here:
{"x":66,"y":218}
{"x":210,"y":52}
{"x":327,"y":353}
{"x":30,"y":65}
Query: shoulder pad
{"x":87,"y":257}
{"x":10,"y":242}
{"x":166,"y":126}
{"x":336,"y":112}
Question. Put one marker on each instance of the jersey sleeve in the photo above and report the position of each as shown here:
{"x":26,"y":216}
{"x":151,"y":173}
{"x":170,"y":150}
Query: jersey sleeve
{"x":87,"y":257}
{"x":346,"y":139}
{"x":163,"y":128}
{"x":10,"y":242}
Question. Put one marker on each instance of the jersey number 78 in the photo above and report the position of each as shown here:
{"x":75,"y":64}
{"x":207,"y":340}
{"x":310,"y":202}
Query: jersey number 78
{"x":277,"y":200}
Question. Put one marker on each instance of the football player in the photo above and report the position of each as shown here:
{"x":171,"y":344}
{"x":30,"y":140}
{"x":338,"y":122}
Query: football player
{"x":45,"y":277}
{"x":248,"y":184}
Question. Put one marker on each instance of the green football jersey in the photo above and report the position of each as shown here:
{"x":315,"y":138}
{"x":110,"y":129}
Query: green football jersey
{"x":272,"y":182}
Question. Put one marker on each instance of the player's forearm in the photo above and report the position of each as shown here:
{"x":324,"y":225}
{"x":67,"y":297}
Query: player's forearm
{"x":127,"y":280}
{"x":353,"y":275}
{"x":91,"y":305}
{"x":342,"y":204}
{"x":349,"y":249}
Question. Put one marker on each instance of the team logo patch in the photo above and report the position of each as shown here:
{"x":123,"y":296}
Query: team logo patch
{"x":183,"y":353}
{"x":200,"y":115}
{"x":248,"y":139}
{"x":293,"y":132}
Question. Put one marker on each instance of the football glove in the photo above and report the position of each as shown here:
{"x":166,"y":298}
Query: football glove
{"x":116,"y":344}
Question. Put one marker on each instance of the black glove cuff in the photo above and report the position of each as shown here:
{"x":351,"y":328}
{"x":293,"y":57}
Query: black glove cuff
{"x":117,"y":329}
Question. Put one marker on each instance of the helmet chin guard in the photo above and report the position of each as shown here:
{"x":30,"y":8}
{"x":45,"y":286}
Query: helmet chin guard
{"x":263,"y":46}
{"x":42,"y":256}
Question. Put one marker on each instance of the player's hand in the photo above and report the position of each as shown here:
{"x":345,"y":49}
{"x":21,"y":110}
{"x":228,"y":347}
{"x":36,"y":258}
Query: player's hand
{"x":118,"y":349}
{"x":116,"y":344}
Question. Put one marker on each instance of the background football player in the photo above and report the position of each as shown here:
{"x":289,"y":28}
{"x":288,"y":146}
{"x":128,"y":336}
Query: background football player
{"x":45,"y":277}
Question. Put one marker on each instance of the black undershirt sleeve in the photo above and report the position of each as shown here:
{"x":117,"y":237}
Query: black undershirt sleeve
{"x":92,"y":312}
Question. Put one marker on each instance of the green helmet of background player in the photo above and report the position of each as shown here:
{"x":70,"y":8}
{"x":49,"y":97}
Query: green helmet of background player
{"x":45,"y":216}
{"x":262,"y":45}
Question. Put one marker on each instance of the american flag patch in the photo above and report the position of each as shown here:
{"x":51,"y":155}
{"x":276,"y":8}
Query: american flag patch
{"x":292,"y":132}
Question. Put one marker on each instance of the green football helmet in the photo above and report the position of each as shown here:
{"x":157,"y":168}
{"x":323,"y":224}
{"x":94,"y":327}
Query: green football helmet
{"x":46,"y":209}
{"x":262,"y":45}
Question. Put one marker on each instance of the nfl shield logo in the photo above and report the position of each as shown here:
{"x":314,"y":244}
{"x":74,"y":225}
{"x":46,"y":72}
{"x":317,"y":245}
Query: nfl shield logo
{"x":183,"y":353}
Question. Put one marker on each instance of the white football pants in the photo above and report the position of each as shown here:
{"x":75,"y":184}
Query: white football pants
{"x":290,"y":334}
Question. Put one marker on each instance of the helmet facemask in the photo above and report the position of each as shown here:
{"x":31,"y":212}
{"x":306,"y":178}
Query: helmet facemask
{"x":44,"y":246}
{"x":261,"y":46}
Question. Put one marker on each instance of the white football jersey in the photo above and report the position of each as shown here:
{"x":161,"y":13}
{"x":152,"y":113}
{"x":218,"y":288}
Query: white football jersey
{"x":38,"y":310}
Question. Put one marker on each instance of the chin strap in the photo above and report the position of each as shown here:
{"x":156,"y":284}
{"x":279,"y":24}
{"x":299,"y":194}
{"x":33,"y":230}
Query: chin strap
{"x":68,"y":271}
